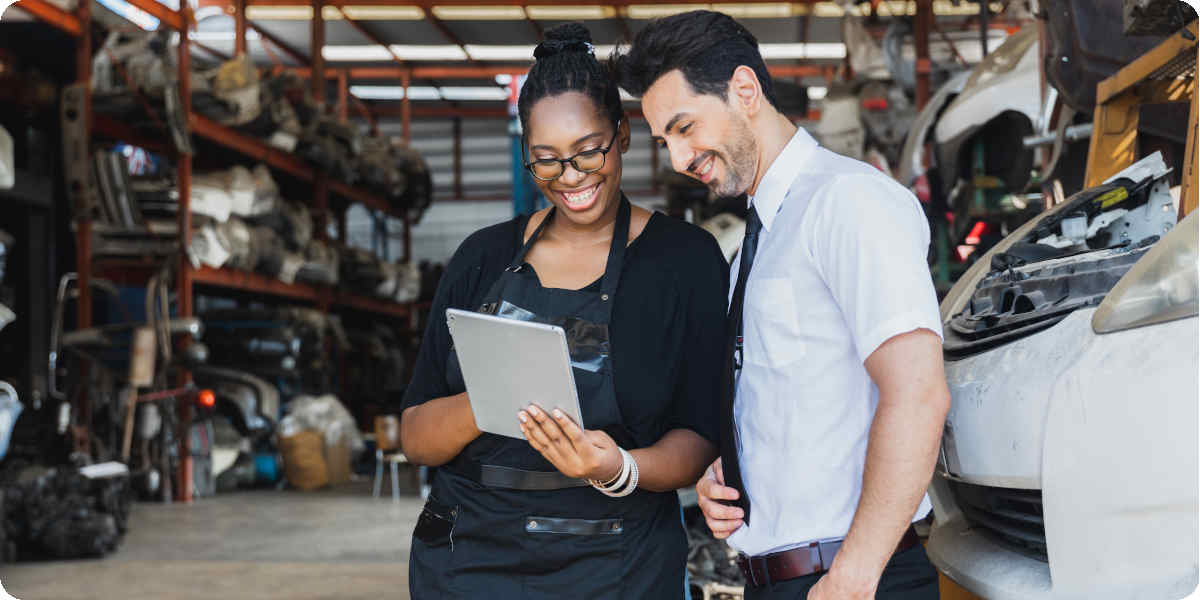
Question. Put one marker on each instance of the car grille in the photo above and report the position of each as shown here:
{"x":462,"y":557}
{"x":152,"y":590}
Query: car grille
{"x":1011,"y":517}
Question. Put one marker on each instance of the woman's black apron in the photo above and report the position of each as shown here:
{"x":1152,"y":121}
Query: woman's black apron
{"x":502,"y":522}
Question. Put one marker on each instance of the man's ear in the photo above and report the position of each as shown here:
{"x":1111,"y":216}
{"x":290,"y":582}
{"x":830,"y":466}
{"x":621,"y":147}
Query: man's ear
{"x":745,"y":91}
{"x":623,"y":135}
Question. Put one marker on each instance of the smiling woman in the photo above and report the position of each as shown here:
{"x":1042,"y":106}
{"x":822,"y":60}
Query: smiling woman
{"x":574,"y":509}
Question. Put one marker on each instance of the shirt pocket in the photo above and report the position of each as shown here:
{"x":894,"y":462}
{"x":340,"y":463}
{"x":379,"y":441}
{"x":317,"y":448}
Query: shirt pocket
{"x":772,"y":328}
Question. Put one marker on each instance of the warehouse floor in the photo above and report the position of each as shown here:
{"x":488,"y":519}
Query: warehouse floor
{"x":339,"y":543}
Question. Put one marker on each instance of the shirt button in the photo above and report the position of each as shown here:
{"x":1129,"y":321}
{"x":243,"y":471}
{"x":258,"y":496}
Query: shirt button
{"x":604,"y":297}
{"x":532,"y":525}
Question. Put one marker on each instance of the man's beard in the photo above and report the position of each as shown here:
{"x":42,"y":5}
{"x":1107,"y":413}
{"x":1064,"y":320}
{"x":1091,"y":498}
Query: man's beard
{"x":740,"y":157}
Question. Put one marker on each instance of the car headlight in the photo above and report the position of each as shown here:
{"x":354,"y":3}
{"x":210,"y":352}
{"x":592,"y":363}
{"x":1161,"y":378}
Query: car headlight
{"x":1161,"y":287}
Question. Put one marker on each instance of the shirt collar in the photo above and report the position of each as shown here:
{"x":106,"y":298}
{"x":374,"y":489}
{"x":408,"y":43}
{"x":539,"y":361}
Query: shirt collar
{"x":779,"y":176}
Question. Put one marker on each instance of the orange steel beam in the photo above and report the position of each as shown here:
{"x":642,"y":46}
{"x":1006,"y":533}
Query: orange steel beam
{"x":53,"y":15}
{"x":488,"y":72}
{"x":172,"y":19}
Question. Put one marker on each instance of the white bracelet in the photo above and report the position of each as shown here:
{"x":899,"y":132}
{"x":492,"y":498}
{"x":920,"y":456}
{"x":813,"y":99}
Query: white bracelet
{"x":627,"y":485}
{"x":617,"y":482}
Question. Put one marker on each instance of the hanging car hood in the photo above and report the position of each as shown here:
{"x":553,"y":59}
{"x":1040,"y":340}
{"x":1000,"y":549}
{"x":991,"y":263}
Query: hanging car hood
{"x":1006,"y":80}
{"x":911,"y":166}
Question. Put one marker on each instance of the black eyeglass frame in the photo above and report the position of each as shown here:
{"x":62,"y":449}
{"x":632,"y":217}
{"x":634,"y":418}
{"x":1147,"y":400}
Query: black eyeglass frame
{"x":562,"y":162}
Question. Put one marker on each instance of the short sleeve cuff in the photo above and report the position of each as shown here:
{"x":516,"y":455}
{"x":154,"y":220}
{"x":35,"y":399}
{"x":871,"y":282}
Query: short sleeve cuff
{"x":903,"y":323}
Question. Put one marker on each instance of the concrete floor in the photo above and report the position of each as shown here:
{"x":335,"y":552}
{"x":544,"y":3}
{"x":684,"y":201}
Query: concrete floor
{"x":337,"y":543}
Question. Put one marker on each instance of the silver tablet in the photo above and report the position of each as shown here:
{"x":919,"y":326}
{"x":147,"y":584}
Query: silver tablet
{"x":508,"y":365}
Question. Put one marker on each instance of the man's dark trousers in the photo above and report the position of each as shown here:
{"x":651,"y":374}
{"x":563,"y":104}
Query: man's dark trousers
{"x":908,"y":576}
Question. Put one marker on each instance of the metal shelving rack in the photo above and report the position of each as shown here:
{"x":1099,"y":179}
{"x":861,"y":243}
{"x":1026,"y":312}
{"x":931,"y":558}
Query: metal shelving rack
{"x":188,"y":277}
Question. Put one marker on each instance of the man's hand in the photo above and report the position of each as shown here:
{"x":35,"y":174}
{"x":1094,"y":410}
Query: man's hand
{"x":573,"y":451}
{"x":722,"y":519}
{"x":833,"y":585}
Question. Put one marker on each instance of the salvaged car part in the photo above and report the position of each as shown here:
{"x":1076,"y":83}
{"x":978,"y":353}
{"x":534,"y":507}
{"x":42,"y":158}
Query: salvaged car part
{"x":1067,"y":260}
{"x":228,"y":93}
{"x":1086,"y":43}
{"x":1006,"y":86}
{"x":62,"y":513}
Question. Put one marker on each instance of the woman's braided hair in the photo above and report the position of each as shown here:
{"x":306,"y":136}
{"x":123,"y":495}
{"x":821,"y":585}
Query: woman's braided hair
{"x":566,"y":63}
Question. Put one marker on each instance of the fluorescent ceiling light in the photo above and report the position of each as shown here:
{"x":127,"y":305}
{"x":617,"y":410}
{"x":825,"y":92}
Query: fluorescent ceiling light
{"x":474,"y":93}
{"x":817,"y":92}
{"x":655,"y":11}
{"x":356,"y":53}
{"x":479,"y":13}
{"x":279,"y":13}
{"x":830,"y":50}
{"x":440,"y":52}
{"x":132,"y":14}
{"x":384,"y":13}
{"x":515,"y":53}
{"x":503,"y":79}
{"x":757,"y":10}
{"x":394,"y":92}
{"x":570,"y":13}
{"x":416,"y":92}
{"x":375,"y":52}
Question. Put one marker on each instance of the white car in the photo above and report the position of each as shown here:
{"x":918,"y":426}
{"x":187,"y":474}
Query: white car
{"x":1069,"y":462}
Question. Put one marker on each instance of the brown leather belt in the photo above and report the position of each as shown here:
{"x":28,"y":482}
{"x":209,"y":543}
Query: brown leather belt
{"x":814,"y":558}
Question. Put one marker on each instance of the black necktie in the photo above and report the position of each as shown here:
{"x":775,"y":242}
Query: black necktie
{"x":729,"y":442}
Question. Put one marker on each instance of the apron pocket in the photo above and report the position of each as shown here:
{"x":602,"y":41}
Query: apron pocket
{"x":577,"y":558}
{"x":435,"y":526}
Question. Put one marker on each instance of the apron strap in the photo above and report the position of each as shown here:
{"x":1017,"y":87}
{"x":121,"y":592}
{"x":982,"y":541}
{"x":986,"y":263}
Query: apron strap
{"x":612,"y":269}
{"x":616,"y":252}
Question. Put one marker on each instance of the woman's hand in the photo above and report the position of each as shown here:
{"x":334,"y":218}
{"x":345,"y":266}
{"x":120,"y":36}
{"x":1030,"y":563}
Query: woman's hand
{"x":573,"y":451}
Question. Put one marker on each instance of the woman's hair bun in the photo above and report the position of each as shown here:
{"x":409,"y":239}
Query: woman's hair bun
{"x":568,"y":37}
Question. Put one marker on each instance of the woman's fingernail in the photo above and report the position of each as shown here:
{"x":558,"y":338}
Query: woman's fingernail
{"x":558,"y":414}
{"x":522,"y":417}
{"x":533,"y":410}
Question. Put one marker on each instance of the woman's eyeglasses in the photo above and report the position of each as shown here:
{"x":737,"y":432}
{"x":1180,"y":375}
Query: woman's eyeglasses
{"x":588,"y":161}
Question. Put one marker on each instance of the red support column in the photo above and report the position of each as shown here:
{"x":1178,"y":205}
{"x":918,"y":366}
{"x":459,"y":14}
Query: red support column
{"x":82,"y":409}
{"x":184,"y":271}
{"x":921,"y":41}
{"x":318,"y":56}
{"x":343,"y":105}
{"x":239,"y":27}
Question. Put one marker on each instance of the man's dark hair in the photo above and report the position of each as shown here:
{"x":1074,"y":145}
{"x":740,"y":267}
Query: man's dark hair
{"x":706,"y":46}
{"x":566,"y":63}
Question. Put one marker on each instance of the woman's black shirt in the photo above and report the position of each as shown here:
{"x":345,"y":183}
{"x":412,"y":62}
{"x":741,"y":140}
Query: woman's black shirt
{"x":667,"y":329}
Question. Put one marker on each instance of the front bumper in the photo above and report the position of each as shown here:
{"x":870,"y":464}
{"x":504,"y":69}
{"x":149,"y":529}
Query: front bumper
{"x":1105,"y":427}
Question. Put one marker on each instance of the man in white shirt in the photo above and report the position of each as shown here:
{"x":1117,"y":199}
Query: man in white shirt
{"x":836,"y":390}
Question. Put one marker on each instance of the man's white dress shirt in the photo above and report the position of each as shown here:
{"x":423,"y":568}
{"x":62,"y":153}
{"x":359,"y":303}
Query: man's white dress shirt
{"x":840,"y":269}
